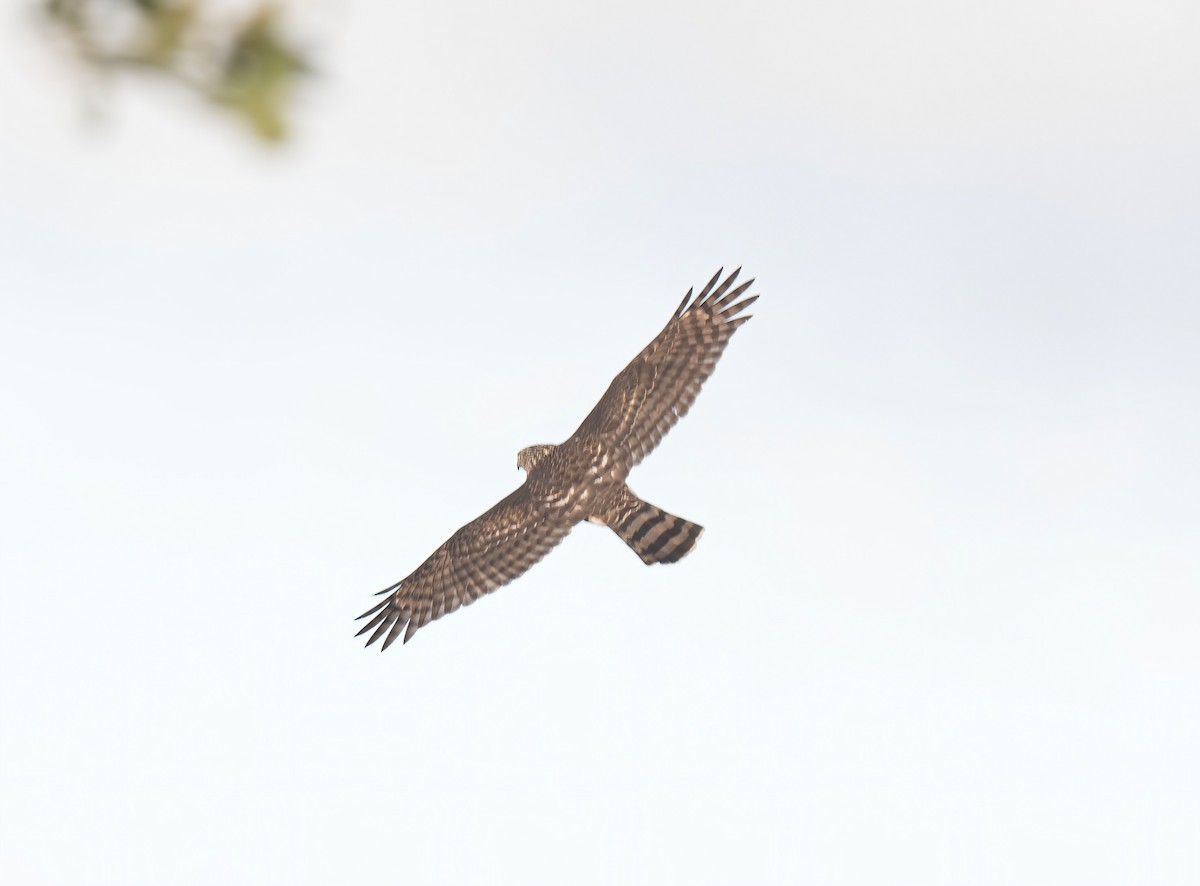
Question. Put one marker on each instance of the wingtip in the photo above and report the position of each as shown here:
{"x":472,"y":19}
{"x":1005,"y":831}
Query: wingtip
{"x":718,"y":294}
{"x":411,"y":629}
{"x":710,"y":284}
{"x":737,"y":308}
{"x":372,"y":610}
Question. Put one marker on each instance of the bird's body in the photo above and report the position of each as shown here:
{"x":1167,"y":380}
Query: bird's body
{"x":580,"y":479}
{"x":594,"y":470}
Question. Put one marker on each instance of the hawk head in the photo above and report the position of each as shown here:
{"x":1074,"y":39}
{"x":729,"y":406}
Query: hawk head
{"x":531,"y":455}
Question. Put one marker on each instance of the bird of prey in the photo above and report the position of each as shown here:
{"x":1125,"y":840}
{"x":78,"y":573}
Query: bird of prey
{"x":582,"y":478}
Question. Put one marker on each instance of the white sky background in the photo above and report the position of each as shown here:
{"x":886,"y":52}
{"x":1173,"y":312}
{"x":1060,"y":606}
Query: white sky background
{"x":943,"y":625}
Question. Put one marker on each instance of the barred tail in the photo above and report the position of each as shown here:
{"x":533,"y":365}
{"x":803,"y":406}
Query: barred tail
{"x":654,"y":535}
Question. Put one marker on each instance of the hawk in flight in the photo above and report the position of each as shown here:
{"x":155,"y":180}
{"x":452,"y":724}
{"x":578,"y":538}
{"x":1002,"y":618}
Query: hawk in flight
{"x":582,"y":478}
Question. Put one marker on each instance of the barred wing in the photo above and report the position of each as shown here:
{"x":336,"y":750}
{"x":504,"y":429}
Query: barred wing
{"x":660,"y":384}
{"x":487,"y":553}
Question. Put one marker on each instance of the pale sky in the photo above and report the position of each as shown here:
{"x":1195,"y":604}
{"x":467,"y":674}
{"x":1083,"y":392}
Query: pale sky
{"x":943,"y":625}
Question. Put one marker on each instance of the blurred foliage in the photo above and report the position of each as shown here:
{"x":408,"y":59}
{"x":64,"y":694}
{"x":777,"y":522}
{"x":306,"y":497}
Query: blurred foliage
{"x":242,"y":63}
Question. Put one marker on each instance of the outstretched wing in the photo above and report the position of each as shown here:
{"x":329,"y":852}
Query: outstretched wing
{"x":487,"y":553}
{"x":660,"y":384}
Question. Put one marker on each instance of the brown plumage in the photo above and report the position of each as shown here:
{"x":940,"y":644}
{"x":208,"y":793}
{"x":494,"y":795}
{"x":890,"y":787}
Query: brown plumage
{"x":582,"y":478}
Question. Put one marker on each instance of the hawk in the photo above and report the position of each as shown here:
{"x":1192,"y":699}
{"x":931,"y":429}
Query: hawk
{"x":582,"y":478}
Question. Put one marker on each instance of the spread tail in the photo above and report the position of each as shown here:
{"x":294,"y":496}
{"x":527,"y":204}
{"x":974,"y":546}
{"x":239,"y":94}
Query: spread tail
{"x":654,"y":535}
